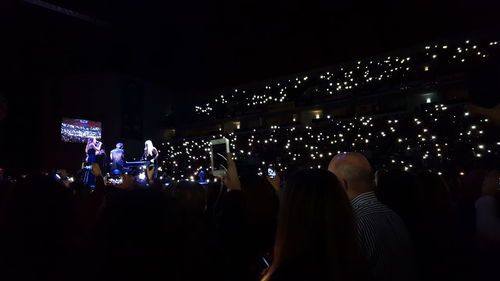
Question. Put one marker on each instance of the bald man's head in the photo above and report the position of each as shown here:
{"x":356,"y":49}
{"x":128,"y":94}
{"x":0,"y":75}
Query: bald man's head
{"x":354,"y":172}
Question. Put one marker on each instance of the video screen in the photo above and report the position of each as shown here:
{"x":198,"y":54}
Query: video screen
{"x":220,"y":156}
{"x":79,"y":130}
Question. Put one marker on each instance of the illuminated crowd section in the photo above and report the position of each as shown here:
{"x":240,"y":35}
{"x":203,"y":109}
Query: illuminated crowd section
{"x":345,"y":79}
{"x":445,"y":139}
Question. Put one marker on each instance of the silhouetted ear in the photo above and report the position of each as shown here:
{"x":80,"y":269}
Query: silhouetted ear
{"x":344,"y":184}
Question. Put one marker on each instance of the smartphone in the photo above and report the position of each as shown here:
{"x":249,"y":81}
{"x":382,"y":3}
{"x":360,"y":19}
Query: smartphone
{"x":271,"y":173}
{"x":219,"y":149}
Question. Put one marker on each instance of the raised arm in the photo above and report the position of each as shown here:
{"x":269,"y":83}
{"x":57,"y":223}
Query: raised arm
{"x":98,"y":146}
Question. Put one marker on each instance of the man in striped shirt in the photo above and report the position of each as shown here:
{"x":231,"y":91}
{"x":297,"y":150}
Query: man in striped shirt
{"x":383,"y":236}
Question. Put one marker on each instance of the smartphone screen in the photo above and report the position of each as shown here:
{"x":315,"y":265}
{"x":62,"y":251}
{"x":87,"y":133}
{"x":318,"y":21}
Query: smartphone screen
{"x":220,"y":156}
{"x":271,"y":173}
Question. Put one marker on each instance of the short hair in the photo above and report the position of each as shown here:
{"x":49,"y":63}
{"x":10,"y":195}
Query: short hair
{"x":350,"y":170}
{"x":120,"y":144}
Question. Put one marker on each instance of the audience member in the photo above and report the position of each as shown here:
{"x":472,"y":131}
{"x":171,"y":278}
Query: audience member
{"x":194,"y":253}
{"x":487,"y":221}
{"x":316,"y":236}
{"x":38,"y":233}
{"x":247,"y":213}
{"x":384,"y":238}
{"x":397,"y":190}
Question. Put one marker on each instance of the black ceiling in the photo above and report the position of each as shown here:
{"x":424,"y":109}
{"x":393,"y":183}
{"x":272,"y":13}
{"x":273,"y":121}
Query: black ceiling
{"x":204,"y":45}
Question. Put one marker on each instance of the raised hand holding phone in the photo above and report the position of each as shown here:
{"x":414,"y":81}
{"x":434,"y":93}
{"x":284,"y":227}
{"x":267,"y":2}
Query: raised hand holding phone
{"x":218,"y":156}
{"x":275,"y":181}
{"x":231,"y":179}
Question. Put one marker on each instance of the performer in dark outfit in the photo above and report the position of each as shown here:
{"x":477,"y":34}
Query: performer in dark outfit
{"x":117,"y":159}
{"x":92,"y":147}
{"x":151,"y":155}
{"x":101,"y":159}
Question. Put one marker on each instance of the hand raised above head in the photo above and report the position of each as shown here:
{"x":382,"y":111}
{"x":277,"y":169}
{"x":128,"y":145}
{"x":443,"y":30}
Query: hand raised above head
{"x":231,"y":179}
{"x":493,"y":114}
{"x":127,"y":182}
{"x":275,"y":182}
{"x":96,"y":170}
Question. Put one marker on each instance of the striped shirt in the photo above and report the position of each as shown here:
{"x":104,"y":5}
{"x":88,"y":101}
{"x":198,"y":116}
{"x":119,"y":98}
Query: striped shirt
{"x":384,"y":239}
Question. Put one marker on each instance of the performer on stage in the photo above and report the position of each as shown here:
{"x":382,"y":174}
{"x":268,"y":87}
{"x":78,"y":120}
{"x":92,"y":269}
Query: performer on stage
{"x":151,"y":155}
{"x":92,"y":147}
{"x":101,"y":159}
{"x":117,"y":159}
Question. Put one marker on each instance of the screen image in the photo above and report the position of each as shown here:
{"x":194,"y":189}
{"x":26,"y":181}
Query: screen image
{"x":271,"y":173}
{"x":220,"y":156}
{"x":79,"y":130}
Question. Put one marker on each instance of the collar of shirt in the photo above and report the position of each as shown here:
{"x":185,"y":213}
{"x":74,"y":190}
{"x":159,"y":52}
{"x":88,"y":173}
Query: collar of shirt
{"x":364,"y":198}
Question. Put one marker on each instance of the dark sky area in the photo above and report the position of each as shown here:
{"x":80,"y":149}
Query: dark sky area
{"x":197,"y":46}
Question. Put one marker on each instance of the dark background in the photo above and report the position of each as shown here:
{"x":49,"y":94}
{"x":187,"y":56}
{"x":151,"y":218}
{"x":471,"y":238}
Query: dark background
{"x":144,"y":60}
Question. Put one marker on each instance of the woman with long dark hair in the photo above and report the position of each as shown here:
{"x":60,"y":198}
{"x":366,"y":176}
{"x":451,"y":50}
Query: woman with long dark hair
{"x":91,"y":149}
{"x":316,"y":237}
